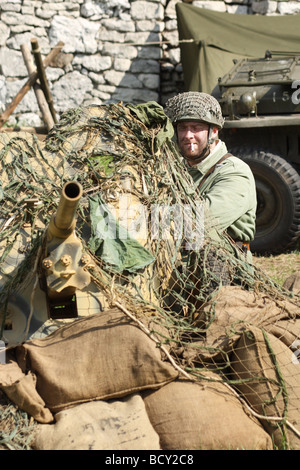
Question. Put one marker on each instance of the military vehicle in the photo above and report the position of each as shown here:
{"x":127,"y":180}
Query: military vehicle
{"x":260,"y":102}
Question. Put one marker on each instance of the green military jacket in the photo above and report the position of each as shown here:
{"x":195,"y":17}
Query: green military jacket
{"x":229,"y":193}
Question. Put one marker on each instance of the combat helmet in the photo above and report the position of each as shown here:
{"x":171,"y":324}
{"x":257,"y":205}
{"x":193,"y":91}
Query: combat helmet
{"x":194,"y":106}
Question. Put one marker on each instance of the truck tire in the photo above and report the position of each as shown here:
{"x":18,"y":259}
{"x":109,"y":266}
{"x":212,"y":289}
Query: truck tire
{"x":278,"y":201}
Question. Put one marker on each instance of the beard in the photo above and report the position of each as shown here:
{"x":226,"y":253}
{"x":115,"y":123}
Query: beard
{"x":197,"y":157}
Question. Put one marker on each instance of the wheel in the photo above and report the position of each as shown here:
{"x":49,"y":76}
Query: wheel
{"x":278,"y":201}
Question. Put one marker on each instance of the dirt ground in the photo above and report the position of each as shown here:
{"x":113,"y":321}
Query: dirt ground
{"x":279,"y":267}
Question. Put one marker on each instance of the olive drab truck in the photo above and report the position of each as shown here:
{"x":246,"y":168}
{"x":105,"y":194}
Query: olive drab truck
{"x":260,"y":100}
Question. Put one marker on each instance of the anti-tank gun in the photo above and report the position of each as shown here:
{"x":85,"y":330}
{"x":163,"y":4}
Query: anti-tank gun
{"x":63,"y":261}
{"x":59,"y":289}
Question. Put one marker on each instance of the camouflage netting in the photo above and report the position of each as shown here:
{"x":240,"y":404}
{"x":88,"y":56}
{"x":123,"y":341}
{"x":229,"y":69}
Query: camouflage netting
{"x":215,"y":317}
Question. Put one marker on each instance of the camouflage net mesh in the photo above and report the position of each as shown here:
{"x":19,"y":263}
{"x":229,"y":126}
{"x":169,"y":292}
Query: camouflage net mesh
{"x":17,"y":428}
{"x":205,"y":307}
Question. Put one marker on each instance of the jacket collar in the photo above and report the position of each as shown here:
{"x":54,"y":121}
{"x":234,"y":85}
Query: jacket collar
{"x":211,"y":159}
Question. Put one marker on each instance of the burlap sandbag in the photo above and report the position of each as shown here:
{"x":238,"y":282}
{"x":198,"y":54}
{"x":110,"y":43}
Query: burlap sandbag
{"x":100,"y":425}
{"x":99,"y":357}
{"x":230,"y":312}
{"x":203,"y":416}
{"x":288,"y":331}
{"x":21,"y":390}
{"x":292,"y":283}
{"x":270,"y":382}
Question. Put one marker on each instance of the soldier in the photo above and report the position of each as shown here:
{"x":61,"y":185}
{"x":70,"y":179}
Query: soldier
{"x":225,"y":182}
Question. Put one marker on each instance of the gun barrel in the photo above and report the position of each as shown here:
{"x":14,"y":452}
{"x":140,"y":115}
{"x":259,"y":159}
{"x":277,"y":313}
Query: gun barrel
{"x":63,"y":221}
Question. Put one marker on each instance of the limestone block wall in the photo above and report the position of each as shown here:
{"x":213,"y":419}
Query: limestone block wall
{"x":114,"y":49}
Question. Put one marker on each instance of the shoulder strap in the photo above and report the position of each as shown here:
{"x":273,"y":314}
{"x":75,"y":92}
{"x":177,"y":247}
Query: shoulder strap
{"x":227,"y":155}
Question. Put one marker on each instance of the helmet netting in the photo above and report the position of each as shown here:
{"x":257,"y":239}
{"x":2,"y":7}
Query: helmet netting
{"x":194,"y":106}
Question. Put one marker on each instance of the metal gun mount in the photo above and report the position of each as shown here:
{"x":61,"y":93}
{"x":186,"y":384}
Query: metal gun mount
{"x":63,"y":261}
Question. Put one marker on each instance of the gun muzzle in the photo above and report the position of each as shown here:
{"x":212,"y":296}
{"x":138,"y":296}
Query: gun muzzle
{"x":63,"y":221}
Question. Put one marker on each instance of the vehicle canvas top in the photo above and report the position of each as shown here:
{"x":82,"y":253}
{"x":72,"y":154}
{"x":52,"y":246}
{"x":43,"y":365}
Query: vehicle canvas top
{"x":211,"y":40}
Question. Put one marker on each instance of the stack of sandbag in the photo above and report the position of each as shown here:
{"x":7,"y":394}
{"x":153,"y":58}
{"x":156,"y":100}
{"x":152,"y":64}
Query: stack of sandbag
{"x":258,"y":337}
{"x":102,"y":383}
{"x":231,"y":311}
{"x":267,"y":374}
{"x":182,"y":415}
{"x":103,"y":356}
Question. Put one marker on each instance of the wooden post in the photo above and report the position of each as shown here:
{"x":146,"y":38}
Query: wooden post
{"x":26,"y":87}
{"x":43,"y":105}
{"x":42,"y":76}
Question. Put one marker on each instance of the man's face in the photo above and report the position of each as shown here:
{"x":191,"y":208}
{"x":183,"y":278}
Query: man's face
{"x":192,"y":139}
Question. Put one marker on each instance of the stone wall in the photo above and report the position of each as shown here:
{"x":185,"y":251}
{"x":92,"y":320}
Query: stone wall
{"x":114,"y":49}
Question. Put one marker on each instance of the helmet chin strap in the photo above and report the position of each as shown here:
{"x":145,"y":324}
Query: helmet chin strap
{"x":210,"y":139}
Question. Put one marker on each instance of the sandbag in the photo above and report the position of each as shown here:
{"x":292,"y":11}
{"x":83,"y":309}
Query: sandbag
{"x":268,"y":377}
{"x":100,"y":425}
{"x":230,"y":312}
{"x":203,"y":416}
{"x":292,"y":283}
{"x":20,"y":388}
{"x":103,"y":356}
{"x":288,"y":331}
{"x":234,"y":305}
